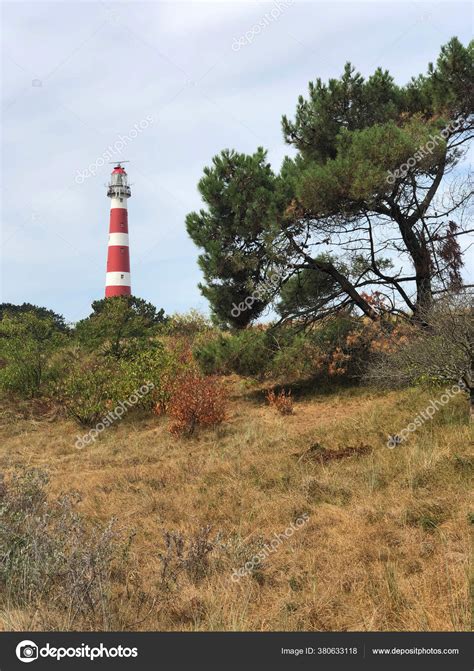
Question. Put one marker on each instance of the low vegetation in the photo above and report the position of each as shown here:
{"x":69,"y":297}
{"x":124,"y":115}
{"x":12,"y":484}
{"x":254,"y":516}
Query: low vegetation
{"x":56,"y":568}
{"x":196,"y":401}
{"x":238,"y":435}
{"x":386,"y":545}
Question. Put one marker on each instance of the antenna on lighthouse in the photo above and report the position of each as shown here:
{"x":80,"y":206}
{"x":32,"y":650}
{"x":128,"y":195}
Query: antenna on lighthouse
{"x":117,"y":281}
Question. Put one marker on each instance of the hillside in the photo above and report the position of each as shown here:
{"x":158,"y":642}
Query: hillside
{"x":386,"y":541}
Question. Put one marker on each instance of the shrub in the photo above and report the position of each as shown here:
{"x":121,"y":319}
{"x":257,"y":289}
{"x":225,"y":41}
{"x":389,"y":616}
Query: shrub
{"x":340,"y":346}
{"x":297,"y":357}
{"x":87,"y":391}
{"x":188,"y":324}
{"x":95,"y":384}
{"x":211,"y":353}
{"x":282,"y":402}
{"x":158,"y":365}
{"x":286,"y":352}
{"x":61,"y":364}
{"x":313,"y":352}
{"x":196,"y":401}
{"x":50,"y":561}
{"x":189,"y":555}
{"x":436,"y":354}
{"x":27,"y":342}
{"x":246,"y":353}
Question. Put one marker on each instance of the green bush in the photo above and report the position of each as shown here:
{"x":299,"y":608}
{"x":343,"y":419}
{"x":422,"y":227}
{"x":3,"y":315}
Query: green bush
{"x":158,"y":366}
{"x":296,"y":358}
{"x":96,"y":384}
{"x":27,"y":342}
{"x":308,"y":353}
{"x":88,"y":390}
{"x":246,"y":353}
{"x":284,"y":352}
{"x":61,"y":363}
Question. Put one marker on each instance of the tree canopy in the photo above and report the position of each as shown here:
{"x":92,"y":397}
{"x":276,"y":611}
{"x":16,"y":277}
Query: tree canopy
{"x":115,"y":321}
{"x":371,"y":201}
{"x":236,"y":230}
{"x":58,"y":320}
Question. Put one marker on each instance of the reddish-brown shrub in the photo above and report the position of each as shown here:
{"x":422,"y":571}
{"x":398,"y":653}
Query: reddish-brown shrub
{"x":282,"y":401}
{"x":196,"y":400}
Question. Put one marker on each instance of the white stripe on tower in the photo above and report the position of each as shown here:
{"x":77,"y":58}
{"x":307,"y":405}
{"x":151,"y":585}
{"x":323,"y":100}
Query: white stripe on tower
{"x":118,"y":279}
{"x":117,"y":282}
{"x":117,"y":239}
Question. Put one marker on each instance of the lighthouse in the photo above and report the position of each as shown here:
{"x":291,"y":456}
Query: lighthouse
{"x":117,"y":281}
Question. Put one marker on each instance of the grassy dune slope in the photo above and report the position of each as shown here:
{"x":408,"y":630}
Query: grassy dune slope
{"x":387,"y":542}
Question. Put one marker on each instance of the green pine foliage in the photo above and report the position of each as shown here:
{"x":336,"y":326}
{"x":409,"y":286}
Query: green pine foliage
{"x":371,"y":157}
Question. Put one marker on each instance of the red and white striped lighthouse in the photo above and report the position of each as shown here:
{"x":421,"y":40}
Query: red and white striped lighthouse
{"x":117,"y":281}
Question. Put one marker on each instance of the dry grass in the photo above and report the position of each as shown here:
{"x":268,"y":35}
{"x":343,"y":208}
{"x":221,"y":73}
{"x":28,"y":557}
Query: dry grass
{"x":386,"y":546}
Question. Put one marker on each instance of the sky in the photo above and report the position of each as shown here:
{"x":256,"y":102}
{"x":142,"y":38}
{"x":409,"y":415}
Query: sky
{"x":166,"y":86}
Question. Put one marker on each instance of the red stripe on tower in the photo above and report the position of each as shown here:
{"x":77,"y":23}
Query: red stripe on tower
{"x":117,"y":282}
